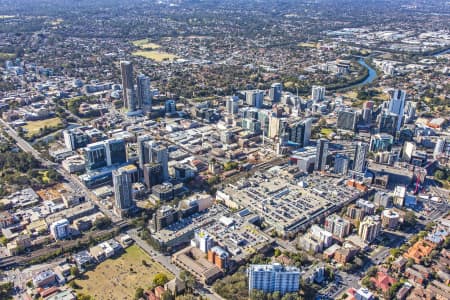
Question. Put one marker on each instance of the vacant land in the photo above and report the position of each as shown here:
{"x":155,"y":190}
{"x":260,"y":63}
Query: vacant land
{"x":34,"y":127}
{"x":155,"y":55}
{"x":118,"y":278}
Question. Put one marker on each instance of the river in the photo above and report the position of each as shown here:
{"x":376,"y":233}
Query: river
{"x":371,"y":77}
{"x":372,"y":73}
{"x":442,"y":52}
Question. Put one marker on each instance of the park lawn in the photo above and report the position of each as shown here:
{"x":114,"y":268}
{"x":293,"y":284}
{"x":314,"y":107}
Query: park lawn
{"x":155,"y":55}
{"x":351,"y":94}
{"x":45,"y":178}
{"x":307,"y":45}
{"x":358,"y":103}
{"x":118,"y":278}
{"x":57,"y":22}
{"x":289,"y":84}
{"x":201,"y":99}
{"x":326,"y":131}
{"x":145,"y":44}
{"x":383,"y":96}
{"x":150,"y":46}
{"x":146,"y":204}
{"x":139,"y":43}
{"x":4,"y":55}
{"x":33,"y":127}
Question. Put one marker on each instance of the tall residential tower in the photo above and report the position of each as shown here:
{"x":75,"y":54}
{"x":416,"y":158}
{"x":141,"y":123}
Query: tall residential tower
{"x":129,"y":94}
{"x":359,"y":160}
{"x":144,"y":98}
{"x":122,"y":190}
{"x":321,"y":154}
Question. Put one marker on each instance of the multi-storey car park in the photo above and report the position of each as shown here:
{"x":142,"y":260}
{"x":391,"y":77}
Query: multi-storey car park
{"x":182,"y":231}
{"x":238,"y":234}
{"x":287,"y":204}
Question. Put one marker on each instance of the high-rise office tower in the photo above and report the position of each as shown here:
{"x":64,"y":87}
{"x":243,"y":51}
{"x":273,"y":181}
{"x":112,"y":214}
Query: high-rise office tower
{"x":274,"y":126}
{"x":142,"y":152}
{"x":275,"y":92}
{"x":439,"y":148}
{"x":367,"y":116}
{"x":255,"y":98}
{"x":95,"y":156}
{"x":341,"y":162}
{"x":397,"y":106}
{"x":252,"y":125}
{"x":286,"y":132}
{"x":387,"y":123}
{"x":273,"y":278}
{"x":367,"y":111}
{"x":251,"y":113}
{"x":75,"y":139}
{"x":153,"y":174}
{"x":381,"y":143}
{"x":408,"y":150}
{"x":170,"y":106}
{"x":154,"y":152}
{"x":232,"y":105}
{"x":129,"y":94}
{"x":410,"y":111}
{"x":359,"y":159}
{"x":321,"y":154}
{"x":144,"y":98}
{"x":318,"y":93}
{"x":347,"y":120}
{"x":299,"y":132}
{"x":123,"y":192}
{"x":116,"y":151}
{"x":264,"y":118}
{"x":105,"y":153}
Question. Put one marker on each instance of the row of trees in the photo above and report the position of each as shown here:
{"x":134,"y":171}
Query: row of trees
{"x":233,"y":287}
{"x":160,"y":279}
{"x":260,"y":295}
{"x":442,"y":174}
{"x":6,"y":290}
